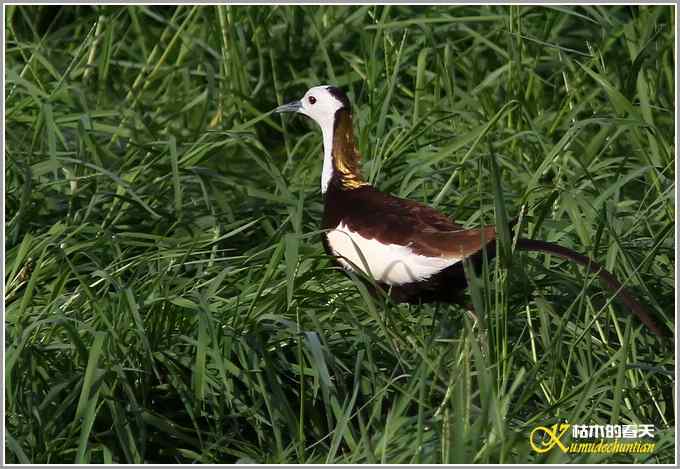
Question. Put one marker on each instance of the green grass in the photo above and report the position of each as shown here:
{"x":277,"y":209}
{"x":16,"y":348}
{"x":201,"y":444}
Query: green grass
{"x":167,"y":298}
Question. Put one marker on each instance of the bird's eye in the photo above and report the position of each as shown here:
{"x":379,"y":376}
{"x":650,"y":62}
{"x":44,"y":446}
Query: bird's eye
{"x":312,"y":100}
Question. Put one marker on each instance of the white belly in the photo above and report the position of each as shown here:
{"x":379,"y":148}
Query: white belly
{"x":389,"y":263}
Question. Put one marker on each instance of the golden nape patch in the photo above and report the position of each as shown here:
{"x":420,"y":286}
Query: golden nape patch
{"x":346,"y":157}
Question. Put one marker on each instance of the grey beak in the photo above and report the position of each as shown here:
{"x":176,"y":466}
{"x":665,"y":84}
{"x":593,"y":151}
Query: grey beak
{"x":295,"y":106}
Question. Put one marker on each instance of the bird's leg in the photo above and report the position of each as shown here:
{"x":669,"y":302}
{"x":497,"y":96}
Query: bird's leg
{"x":471,"y":312}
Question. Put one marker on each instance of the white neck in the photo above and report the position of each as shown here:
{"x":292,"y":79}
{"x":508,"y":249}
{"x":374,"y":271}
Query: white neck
{"x":327,"y":171}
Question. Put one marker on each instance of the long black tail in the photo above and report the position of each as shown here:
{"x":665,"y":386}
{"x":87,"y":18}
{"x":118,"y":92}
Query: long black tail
{"x":622,"y":293}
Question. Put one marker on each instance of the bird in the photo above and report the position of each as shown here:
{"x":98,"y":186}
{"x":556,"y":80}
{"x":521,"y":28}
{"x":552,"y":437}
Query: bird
{"x":409,"y":249}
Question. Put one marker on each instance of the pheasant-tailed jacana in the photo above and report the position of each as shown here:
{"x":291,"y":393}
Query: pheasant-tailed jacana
{"x":410,"y":249}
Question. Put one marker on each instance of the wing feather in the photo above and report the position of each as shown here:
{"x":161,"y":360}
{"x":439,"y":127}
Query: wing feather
{"x":428,"y":232}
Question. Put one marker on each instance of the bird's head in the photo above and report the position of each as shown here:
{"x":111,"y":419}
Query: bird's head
{"x":321,"y":103}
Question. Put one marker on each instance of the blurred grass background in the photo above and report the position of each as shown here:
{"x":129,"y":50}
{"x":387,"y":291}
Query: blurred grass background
{"x":167,"y":297}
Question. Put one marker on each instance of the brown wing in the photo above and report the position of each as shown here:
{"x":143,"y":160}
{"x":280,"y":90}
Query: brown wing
{"x":459,"y":243}
{"x":392,"y":220}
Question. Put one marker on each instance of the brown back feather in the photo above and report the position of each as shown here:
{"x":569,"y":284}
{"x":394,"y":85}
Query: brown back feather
{"x":392,"y":220}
